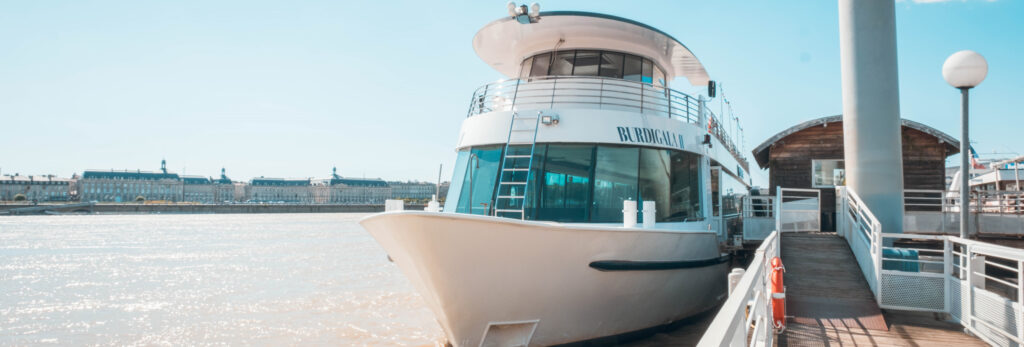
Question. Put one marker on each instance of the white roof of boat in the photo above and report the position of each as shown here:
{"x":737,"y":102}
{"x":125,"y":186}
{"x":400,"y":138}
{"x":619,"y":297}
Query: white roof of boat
{"x":504,"y":43}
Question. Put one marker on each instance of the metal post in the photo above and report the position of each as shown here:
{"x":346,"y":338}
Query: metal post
{"x":1020,"y":298}
{"x":947,"y":272}
{"x":778,"y":209}
{"x":876,"y":232}
{"x":965,"y":166}
{"x":968,"y":316}
{"x":1016,"y":175}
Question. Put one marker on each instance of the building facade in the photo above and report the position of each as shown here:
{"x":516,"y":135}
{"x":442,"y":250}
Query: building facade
{"x":280,"y":190}
{"x":412,"y":190}
{"x":198,"y":189}
{"x":127,"y":186}
{"x":358,"y":191}
{"x":138,"y":185}
{"x":35,"y":188}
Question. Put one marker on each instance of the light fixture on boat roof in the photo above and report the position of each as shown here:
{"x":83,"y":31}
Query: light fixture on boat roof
{"x":549,"y":119}
{"x":522,"y":14}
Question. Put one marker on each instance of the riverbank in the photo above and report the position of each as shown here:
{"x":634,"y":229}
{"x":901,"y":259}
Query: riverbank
{"x":135,"y":208}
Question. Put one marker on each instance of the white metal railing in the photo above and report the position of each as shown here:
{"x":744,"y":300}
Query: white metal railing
{"x":759,"y":206}
{"x":799,"y":209}
{"x":982,"y":201}
{"x":600,"y":93}
{"x":938,"y":211}
{"x":977,"y":283}
{"x":746,"y":317}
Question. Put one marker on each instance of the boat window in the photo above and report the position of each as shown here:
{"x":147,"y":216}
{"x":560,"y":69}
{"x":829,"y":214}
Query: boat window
{"x":525,"y":69}
{"x":648,"y":73}
{"x":659,"y":78}
{"x":587,"y":63}
{"x":655,"y":181}
{"x":732,"y":191}
{"x":458,"y":178}
{"x":480,"y":177}
{"x":715,"y":184}
{"x":615,"y":180}
{"x":540,"y":65}
{"x":633,"y":68}
{"x":595,"y":63}
{"x":562,"y":66}
{"x":584,"y":182}
{"x":565,"y":183}
{"x":611,"y":65}
{"x":684,"y":202}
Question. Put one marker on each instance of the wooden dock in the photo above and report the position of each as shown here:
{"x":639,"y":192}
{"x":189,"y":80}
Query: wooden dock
{"x":830,"y":304}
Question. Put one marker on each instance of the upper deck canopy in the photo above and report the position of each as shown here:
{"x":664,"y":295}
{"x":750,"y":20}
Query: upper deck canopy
{"x":504,"y":43}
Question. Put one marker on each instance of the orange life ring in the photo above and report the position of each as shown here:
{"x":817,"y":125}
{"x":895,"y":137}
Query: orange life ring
{"x":778,"y":294}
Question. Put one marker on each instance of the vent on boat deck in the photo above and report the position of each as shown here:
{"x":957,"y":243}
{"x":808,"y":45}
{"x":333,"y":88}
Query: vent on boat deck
{"x":509,"y":333}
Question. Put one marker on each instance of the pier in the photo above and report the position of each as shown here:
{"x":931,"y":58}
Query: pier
{"x":864,"y":286}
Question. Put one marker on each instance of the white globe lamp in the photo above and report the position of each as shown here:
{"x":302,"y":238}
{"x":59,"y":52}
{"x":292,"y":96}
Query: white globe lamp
{"x":965,"y":70}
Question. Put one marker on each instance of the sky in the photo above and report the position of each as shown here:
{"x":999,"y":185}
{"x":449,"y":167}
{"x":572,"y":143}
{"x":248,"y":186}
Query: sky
{"x":380,"y":88}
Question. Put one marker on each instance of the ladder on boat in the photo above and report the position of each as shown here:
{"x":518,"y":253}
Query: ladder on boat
{"x":516,"y":165}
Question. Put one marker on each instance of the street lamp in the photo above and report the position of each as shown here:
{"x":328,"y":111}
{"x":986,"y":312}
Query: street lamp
{"x":964,"y":70}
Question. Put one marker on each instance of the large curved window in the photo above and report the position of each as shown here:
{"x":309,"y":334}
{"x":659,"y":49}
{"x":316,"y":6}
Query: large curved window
{"x":594,"y":63}
{"x":584,"y":182}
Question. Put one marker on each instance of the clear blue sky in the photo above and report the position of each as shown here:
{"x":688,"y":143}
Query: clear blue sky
{"x":379,"y":88}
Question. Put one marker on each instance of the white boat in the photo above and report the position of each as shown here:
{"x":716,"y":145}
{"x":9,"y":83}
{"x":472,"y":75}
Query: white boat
{"x":533,"y":247}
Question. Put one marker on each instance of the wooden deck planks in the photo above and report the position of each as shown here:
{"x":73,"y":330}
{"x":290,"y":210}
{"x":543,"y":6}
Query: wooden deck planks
{"x":830,"y":304}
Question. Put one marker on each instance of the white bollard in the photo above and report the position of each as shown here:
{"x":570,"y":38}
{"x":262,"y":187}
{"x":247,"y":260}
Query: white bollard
{"x":433,"y":206}
{"x":649,"y":215}
{"x":734,"y":278}
{"x":393,"y":205}
{"x":629,"y":213}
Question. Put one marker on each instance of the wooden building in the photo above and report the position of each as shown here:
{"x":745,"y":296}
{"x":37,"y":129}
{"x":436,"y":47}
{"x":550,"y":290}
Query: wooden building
{"x":810,"y":155}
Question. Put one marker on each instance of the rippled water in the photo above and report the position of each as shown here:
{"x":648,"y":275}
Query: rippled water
{"x":266,"y":279}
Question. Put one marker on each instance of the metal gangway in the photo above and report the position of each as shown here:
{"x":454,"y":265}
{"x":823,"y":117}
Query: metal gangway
{"x":977,"y":284}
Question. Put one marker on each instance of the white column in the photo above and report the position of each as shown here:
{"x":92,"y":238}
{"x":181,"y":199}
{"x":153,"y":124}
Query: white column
{"x":871,"y":109}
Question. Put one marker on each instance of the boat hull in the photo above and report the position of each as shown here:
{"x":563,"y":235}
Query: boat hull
{"x":502,"y":281}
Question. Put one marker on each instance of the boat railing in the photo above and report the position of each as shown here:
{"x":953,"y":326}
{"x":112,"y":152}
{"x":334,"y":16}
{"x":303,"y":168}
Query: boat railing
{"x":745,"y":318}
{"x":599,"y":93}
{"x":978,"y":284}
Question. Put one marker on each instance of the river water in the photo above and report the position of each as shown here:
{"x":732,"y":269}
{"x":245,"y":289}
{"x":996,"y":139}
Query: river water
{"x":243,"y":279}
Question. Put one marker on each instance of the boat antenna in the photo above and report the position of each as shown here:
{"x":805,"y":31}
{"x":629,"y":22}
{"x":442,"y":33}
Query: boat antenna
{"x":437,"y":188}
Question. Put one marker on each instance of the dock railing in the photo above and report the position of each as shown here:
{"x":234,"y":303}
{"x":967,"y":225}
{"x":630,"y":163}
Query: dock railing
{"x":992,"y":212}
{"x":745,"y":318}
{"x":977,"y":283}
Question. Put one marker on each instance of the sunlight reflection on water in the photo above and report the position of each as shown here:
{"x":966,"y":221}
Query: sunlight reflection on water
{"x":266,"y":279}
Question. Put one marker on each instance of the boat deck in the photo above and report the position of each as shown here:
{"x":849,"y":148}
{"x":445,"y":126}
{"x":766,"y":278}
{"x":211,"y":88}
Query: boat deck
{"x":830,"y":304}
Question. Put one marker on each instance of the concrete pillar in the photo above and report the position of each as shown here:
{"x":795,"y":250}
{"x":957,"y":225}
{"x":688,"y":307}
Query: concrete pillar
{"x":871,"y":108}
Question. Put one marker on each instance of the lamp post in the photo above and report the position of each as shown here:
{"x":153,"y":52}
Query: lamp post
{"x":964,"y":70}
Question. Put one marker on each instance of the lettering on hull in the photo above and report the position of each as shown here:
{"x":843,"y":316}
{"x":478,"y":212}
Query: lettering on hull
{"x":650,"y":136}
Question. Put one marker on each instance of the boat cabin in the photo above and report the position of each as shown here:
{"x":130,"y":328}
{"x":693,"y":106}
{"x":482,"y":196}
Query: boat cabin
{"x":810,"y":155}
{"x":586,"y":120}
